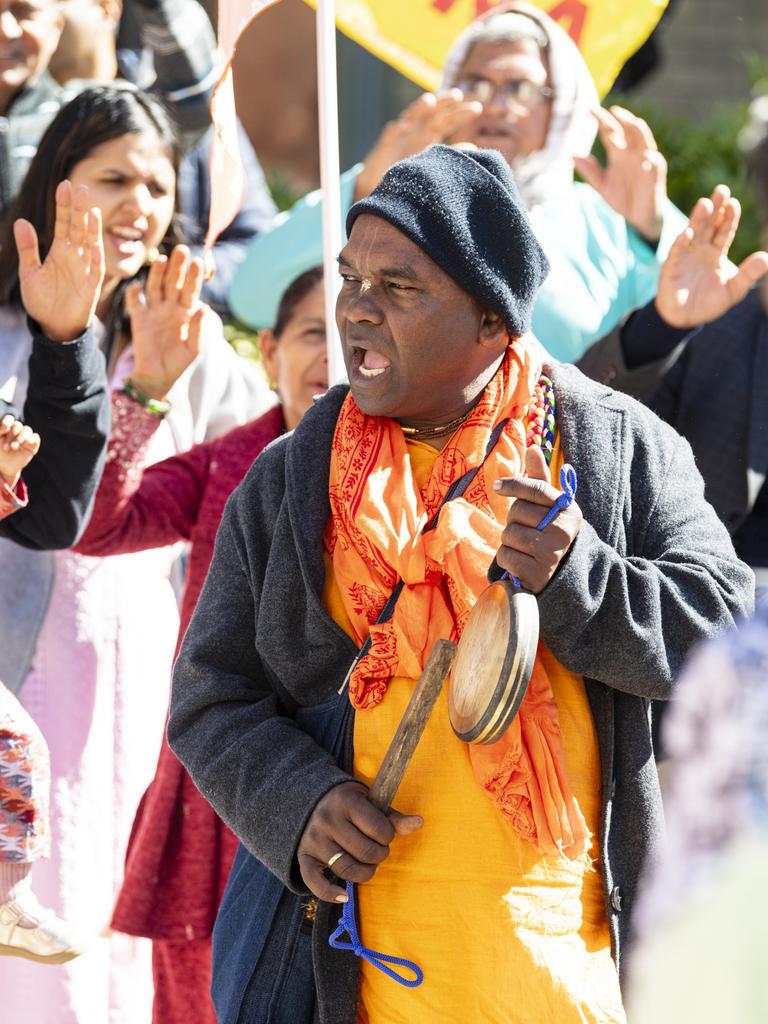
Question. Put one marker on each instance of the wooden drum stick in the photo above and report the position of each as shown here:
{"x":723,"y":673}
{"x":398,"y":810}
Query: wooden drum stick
{"x":408,"y":733}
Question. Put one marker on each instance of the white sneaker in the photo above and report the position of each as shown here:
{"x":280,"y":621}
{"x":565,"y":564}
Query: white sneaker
{"x":52,"y":941}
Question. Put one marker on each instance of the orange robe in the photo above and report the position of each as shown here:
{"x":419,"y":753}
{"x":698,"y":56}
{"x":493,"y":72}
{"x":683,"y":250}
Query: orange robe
{"x":503,"y":934}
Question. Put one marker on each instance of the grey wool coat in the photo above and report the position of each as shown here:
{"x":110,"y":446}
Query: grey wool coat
{"x":651,"y":573}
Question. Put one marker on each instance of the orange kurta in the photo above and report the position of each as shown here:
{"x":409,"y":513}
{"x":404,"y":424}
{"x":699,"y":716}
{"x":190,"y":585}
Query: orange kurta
{"x":503,"y":934}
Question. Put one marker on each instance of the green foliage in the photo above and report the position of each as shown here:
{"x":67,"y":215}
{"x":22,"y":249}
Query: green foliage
{"x":757,"y":70}
{"x":243,"y":340}
{"x":284,"y":191}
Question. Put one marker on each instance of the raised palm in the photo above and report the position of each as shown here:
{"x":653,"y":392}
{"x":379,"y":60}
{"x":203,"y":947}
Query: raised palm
{"x":166,"y":322}
{"x":62,"y":291}
{"x":428,"y":120}
{"x":634,"y":179}
{"x":697,"y":282}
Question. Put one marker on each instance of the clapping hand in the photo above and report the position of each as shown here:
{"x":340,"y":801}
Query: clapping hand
{"x":697,"y":282}
{"x":166,"y":322}
{"x":19,"y":444}
{"x":62,"y":291}
{"x":634,"y":179}
{"x":428,"y":120}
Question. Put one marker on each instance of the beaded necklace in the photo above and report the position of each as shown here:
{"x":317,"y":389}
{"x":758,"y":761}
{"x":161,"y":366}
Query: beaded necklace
{"x":541,"y":417}
{"x":541,"y":420}
{"x":422,"y":433}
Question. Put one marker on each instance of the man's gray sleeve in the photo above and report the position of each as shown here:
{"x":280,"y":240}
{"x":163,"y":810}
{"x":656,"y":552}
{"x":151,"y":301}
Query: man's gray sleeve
{"x":630,"y":621}
{"x":262,"y":774}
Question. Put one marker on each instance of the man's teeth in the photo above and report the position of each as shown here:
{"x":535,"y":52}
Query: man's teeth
{"x":129,"y":234}
{"x":373,"y":364}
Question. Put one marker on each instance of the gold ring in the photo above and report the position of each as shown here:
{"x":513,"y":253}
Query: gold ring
{"x":334,"y":858}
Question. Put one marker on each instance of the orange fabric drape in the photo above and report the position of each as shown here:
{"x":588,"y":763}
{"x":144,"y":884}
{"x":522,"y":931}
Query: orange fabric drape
{"x":375,"y":537}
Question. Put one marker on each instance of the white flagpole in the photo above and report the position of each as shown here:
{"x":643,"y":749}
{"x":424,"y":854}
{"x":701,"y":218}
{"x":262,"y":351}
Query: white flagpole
{"x":327,"y":101}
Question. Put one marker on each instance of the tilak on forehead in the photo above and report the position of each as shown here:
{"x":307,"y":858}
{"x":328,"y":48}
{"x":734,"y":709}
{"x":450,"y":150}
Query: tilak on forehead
{"x":371,"y":255}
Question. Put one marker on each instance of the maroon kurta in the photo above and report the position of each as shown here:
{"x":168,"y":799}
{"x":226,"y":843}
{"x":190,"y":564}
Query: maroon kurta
{"x":179,"y":853}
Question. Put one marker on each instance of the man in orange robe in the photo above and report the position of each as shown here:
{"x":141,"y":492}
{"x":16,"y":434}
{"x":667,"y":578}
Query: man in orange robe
{"x":507,"y":870}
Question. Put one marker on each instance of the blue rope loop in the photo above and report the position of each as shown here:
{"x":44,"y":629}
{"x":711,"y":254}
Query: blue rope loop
{"x":567,"y":496}
{"x":348,"y":924}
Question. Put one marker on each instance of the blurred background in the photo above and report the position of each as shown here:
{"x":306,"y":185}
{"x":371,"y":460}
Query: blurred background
{"x":691,"y":81}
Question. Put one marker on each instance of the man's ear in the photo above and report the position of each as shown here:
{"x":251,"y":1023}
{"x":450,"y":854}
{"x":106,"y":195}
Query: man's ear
{"x":493,"y":331}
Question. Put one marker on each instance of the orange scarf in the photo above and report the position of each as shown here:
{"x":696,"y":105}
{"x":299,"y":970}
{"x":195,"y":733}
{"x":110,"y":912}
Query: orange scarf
{"x":374,"y":537}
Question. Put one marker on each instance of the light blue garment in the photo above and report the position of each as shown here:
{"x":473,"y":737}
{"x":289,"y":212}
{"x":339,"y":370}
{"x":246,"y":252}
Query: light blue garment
{"x":601,"y":269}
{"x":277,"y":256}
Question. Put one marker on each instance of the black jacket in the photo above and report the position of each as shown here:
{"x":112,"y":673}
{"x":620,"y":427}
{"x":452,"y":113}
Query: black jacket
{"x":68,"y":406}
{"x":711,"y":385}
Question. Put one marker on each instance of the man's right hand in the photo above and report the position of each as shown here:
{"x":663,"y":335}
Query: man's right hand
{"x":428,"y":120}
{"x":346,"y":822}
{"x":697,"y":283}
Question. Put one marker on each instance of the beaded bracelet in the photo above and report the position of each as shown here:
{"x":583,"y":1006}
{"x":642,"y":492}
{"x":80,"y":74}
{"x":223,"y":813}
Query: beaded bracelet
{"x":154,"y":405}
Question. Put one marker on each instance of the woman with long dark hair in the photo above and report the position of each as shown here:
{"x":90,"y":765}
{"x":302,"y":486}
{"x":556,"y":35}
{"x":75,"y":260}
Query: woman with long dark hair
{"x":180,"y":852}
{"x":89,"y":642}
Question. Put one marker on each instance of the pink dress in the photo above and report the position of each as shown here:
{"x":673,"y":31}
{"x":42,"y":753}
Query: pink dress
{"x":98,"y":689}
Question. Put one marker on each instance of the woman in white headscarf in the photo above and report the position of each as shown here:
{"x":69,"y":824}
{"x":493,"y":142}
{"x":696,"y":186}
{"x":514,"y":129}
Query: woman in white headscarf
{"x":515,"y":81}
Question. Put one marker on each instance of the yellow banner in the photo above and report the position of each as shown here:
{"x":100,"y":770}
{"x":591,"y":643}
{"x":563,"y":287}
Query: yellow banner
{"x":415,"y":36}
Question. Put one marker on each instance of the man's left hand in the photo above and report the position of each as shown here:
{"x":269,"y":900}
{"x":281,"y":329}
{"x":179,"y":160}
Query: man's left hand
{"x":529,"y":554}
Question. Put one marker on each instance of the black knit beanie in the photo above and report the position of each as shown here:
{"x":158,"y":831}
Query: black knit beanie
{"x":463,"y":209}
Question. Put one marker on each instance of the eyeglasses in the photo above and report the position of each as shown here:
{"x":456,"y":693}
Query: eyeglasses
{"x":520,"y":92}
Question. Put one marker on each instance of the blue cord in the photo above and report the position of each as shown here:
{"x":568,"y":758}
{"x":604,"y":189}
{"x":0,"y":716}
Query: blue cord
{"x":565,"y":499}
{"x":348,"y":924}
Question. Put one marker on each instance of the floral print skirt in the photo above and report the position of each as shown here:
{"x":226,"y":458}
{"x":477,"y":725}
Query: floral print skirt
{"x":24,"y":784}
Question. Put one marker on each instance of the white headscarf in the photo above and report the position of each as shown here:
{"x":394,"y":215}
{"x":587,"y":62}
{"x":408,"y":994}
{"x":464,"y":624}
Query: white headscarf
{"x":572,"y":127}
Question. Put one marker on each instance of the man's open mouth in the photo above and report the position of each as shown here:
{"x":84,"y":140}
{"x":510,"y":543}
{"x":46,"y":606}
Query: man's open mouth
{"x":368,"y":363}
